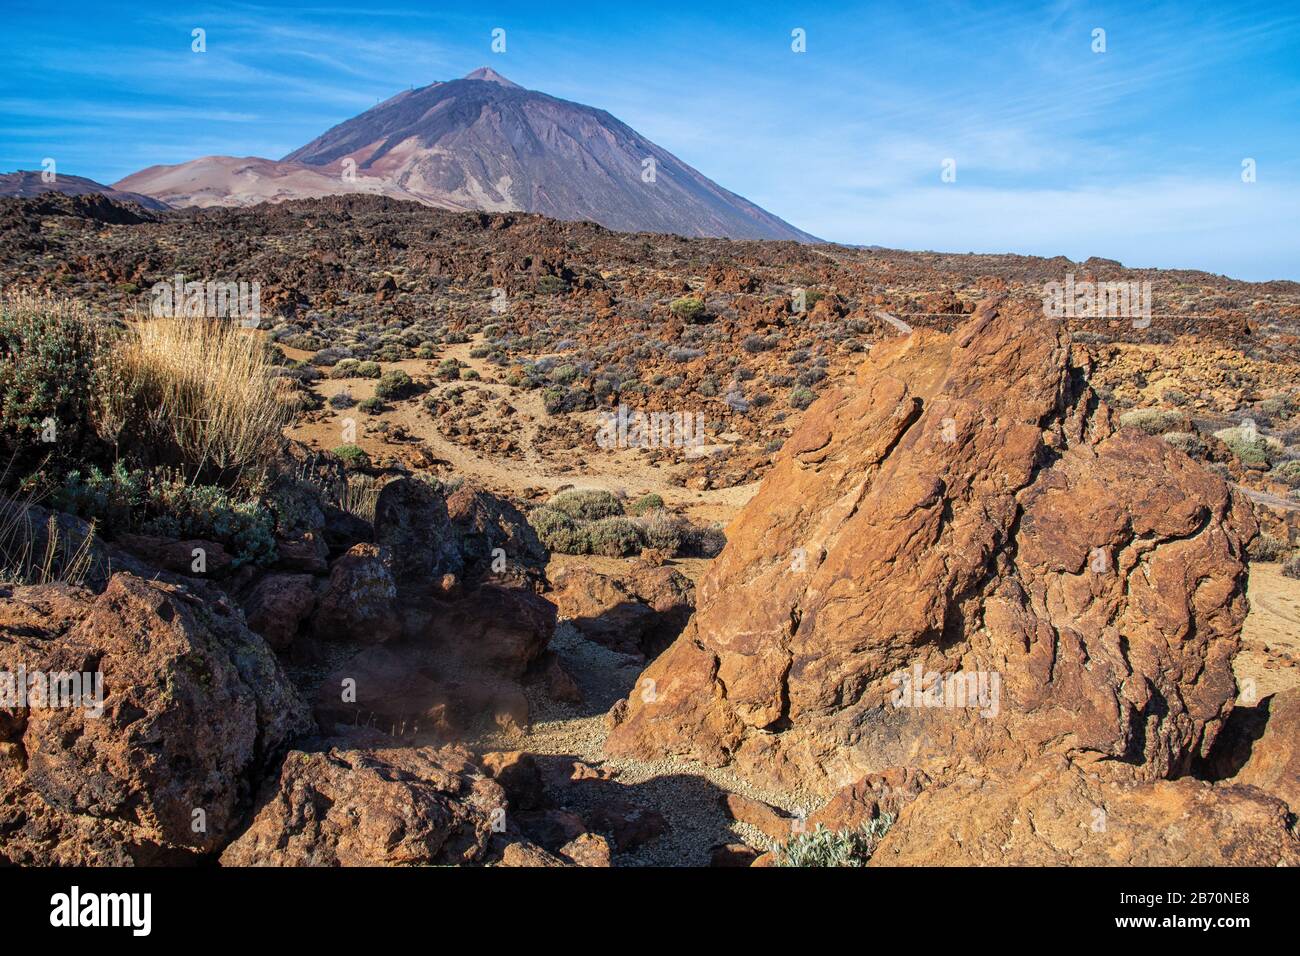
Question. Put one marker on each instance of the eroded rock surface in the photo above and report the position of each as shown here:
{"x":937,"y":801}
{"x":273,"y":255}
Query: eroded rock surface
{"x":195,"y":706}
{"x":967,"y":507}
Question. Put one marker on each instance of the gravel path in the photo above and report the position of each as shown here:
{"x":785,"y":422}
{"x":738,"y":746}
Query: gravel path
{"x":685,"y":792}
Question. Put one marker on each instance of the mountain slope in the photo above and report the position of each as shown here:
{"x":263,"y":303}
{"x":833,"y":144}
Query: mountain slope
{"x":483,"y":142}
{"x":26,"y":183}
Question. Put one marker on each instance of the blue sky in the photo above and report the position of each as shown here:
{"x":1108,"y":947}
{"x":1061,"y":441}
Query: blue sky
{"x":1133,"y":154}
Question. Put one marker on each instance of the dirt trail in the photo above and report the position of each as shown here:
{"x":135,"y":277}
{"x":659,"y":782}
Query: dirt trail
{"x":613,"y":470}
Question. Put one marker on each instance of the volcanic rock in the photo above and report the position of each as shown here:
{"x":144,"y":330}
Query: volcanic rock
{"x":195,"y":706}
{"x":390,"y":807}
{"x":966,"y":511}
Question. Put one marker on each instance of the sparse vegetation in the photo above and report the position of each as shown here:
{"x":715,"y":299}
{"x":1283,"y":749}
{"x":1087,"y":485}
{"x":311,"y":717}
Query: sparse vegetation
{"x":823,"y":847}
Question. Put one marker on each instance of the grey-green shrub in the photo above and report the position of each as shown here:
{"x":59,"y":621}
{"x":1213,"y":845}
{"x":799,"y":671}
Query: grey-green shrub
{"x":1267,"y":548}
{"x":1153,"y":421}
{"x":1187,"y":442}
{"x":615,"y":537}
{"x":823,"y":847}
{"x":645,"y":504}
{"x":588,"y":504}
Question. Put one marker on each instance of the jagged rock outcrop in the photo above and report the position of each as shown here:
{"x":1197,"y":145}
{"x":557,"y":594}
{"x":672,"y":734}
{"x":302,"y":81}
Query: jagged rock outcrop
{"x":195,"y":706}
{"x":1057,"y":815}
{"x":388,"y":807}
{"x":967,"y":508}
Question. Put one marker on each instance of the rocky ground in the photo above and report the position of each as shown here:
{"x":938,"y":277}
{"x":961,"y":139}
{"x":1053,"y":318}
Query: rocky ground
{"x":394,"y":690}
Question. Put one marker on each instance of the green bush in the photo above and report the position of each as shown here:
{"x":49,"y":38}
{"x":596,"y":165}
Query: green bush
{"x":646,"y":503}
{"x":1286,"y":472}
{"x":558,"y":531}
{"x":1153,"y":421}
{"x":1189,"y":443}
{"x":371,"y":406}
{"x":665,"y":532}
{"x":368,"y":370}
{"x":823,"y":847}
{"x":51,"y":374}
{"x":352,"y":456}
{"x":393,"y":384}
{"x":587,"y":504}
{"x":802,"y":397}
{"x":616,"y":537}
{"x":551,"y":285}
{"x":1248,"y":445}
{"x":688,"y":308}
{"x":167,"y":506}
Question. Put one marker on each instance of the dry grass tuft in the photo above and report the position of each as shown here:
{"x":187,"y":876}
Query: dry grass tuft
{"x":204,"y":385}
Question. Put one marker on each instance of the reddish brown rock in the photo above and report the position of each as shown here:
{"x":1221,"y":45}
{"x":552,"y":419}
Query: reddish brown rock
{"x":411,"y":522}
{"x":588,"y":849}
{"x":1054,"y":815}
{"x":1274,"y":762}
{"x":358,"y":602}
{"x":194,"y":708}
{"x":278,"y":606}
{"x":733,"y":854}
{"x":965,"y":505}
{"x":519,"y":776}
{"x":861,"y":802}
{"x":307,"y":553}
{"x":495,"y":540}
{"x":396,"y":807}
{"x":500,"y":629}
{"x":769,"y":821}
{"x":636,"y":613}
{"x":193,"y":557}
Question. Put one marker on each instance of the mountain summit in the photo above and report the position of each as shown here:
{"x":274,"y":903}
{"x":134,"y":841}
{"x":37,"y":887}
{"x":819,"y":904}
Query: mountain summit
{"x":484,"y":142}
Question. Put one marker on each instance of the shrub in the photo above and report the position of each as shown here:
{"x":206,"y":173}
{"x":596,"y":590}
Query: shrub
{"x":371,"y":406}
{"x":557,"y":531}
{"x":688,"y":308}
{"x":1267,"y":548}
{"x":447,"y":370}
{"x":159,"y":503}
{"x":1291,"y":566}
{"x":646,"y":503}
{"x":666,"y":532}
{"x":614,"y":537}
{"x":1153,"y":421}
{"x":352,"y":456}
{"x":1248,"y":445}
{"x":1286,"y":472}
{"x":50,"y":368}
{"x":823,"y":847}
{"x":393,"y":384}
{"x":551,"y":285}
{"x":586,"y":504}
{"x":342,"y":400}
{"x":1187,"y":442}
{"x":368,"y":370}
{"x":564,"y":375}
{"x":706,"y":542}
{"x":195,"y":392}
{"x":801,"y":397}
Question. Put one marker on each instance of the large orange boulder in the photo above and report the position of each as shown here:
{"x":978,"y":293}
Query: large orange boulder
{"x":959,"y":563}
